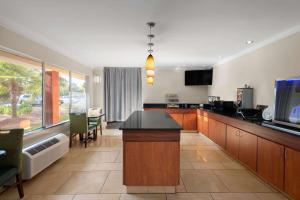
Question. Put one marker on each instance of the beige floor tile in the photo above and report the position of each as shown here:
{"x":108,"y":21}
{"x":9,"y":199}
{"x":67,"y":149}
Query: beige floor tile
{"x":46,"y":183}
{"x":189,"y":196}
{"x":241,"y":181}
{"x":232,"y":165}
{"x":234,"y":196}
{"x":56,"y":166}
{"x":97,"y":197}
{"x":270,"y":196}
{"x":50,"y":197}
{"x":186,"y":165}
{"x":79,"y":167}
{"x":119,"y":158}
{"x":143,"y":197}
{"x":11,"y":194}
{"x":114,"y":183}
{"x":213,"y":156}
{"x":84,"y":183}
{"x":202,"y":181}
{"x":190,"y":156}
{"x":207,"y":165}
{"x":109,"y":166}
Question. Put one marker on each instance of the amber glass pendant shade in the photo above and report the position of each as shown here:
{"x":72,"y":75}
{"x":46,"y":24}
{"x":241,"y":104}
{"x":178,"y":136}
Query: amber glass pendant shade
{"x":149,"y":63}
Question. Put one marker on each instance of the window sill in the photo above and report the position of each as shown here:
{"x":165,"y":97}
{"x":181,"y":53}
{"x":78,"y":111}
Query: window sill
{"x":35,"y":131}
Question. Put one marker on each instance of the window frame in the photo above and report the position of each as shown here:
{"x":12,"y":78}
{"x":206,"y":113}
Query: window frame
{"x":43,"y":70}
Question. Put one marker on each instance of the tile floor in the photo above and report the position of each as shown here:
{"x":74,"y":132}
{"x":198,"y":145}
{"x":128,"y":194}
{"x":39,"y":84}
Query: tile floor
{"x":95,"y":173}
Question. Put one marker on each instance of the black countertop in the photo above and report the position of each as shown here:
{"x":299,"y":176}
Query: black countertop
{"x":165,"y":105}
{"x":151,"y":120}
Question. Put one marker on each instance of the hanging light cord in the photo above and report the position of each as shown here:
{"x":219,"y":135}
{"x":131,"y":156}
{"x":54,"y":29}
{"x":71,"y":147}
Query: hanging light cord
{"x":150,"y":36}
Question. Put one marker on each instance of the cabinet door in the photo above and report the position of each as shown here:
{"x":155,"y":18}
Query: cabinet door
{"x":292,"y":173}
{"x":221,"y":134}
{"x":205,"y":125}
{"x":178,"y":118}
{"x":212,"y":126}
{"x":190,"y":122}
{"x":232,"y":141}
{"x":199,"y":123}
{"x":270,"y":162}
{"x":248,"y":149}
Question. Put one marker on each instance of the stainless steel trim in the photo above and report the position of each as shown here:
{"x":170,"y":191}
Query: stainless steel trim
{"x":286,"y":123}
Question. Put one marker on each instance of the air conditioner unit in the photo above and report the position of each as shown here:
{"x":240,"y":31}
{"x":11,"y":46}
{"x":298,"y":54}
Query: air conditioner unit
{"x":40,"y":155}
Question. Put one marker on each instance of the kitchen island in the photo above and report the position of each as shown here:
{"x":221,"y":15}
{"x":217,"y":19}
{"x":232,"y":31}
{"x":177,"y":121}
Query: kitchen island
{"x":151,"y":157}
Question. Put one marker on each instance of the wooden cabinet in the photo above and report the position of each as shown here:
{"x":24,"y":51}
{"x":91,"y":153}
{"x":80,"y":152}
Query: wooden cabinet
{"x":270,"y":162}
{"x":190,"y":121}
{"x":232,"y":141}
{"x":217,"y":132}
{"x":205,"y":124}
{"x":292,"y":173}
{"x":200,"y":123}
{"x":178,"y":118}
{"x":242,"y":146}
{"x":221,"y":134}
{"x":248,"y":149}
{"x":212,"y":129}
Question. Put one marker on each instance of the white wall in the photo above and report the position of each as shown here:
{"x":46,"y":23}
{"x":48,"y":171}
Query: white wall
{"x":260,"y":69}
{"x":172,"y":81}
{"x":98,"y":89}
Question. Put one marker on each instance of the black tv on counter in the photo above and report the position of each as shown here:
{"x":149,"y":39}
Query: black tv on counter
{"x":199,"y":77}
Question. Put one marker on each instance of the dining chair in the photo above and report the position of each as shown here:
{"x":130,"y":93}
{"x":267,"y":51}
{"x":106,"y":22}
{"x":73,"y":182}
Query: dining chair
{"x":79,"y":126}
{"x":11,"y":141}
{"x":95,"y":117}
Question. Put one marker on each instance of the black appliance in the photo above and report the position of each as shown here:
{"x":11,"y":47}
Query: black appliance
{"x":251,"y":114}
{"x":226,"y":107}
{"x":198,"y":77}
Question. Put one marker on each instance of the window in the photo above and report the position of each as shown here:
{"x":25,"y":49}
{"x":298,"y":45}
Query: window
{"x":78,"y":87}
{"x":20,"y":92}
{"x":33,"y":95}
{"x":57,"y":95}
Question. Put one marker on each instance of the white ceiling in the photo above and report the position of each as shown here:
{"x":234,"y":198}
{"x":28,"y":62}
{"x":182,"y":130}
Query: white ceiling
{"x":188,"y":33}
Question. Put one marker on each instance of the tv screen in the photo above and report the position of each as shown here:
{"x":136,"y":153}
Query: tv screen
{"x":198,"y":77}
{"x":287,"y":104}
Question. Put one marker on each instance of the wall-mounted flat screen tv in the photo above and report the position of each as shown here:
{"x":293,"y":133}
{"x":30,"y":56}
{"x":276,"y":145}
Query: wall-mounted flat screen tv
{"x":287,"y":103}
{"x":199,"y":77}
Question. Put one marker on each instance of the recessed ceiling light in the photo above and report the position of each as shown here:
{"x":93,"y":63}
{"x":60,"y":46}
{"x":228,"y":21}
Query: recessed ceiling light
{"x":249,"y":42}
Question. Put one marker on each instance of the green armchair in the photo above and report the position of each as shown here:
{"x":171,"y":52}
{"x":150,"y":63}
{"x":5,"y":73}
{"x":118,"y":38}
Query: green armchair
{"x":79,"y":126}
{"x":11,"y":141}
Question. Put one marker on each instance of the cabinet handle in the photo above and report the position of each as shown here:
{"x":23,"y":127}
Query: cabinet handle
{"x":237,"y":133}
{"x":240,"y":134}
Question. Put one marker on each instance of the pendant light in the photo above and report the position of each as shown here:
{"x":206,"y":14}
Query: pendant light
{"x":150,"y":80}
{"x":149,"y":66}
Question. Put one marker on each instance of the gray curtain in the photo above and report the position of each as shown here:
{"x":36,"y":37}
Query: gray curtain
{"x":123,"y":92}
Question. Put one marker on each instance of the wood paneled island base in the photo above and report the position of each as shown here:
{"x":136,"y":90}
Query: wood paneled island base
{"x":151,"y":157}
